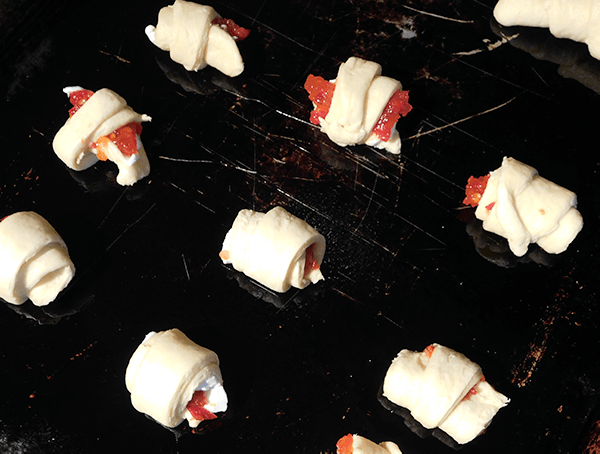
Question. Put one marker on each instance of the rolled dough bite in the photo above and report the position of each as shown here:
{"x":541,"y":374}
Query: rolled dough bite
{"x":34,"y":260}
{"x":172,"y":379}
{"x":515,"y":202}
{"x":578,"y":20}
{"x":276,"y":249}
{"x":355,"y":444}
{"x":359,"y":107}
{"x":443,"y":388}
{"x":101,"y":126}
{"x":196,"y":36}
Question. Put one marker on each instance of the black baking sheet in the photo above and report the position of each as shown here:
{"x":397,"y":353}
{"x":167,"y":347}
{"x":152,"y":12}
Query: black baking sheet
{"x":406,"y":264}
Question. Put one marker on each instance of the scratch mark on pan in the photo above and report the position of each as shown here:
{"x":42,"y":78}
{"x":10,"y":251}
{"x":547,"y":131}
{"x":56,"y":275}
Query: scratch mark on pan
{"x":185,"y":192}
{"x":389,"y":320}
{"x":438,"y":16}
{"x":368,"y":204}
{"x":461,"y":120}
{"x":115,"y":56}
{"x":111,"y":209}
{"x":419,"y":228}
{"x":201,"y":161}
{"x":129,"y":227}
{"x":187,"y":273}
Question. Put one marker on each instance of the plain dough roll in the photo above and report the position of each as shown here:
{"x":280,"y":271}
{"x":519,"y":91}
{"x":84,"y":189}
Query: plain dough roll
{"x":165,"y":371}
{"x":104,"y":112}
{"x":186,"y":31}
{"x":578,"y":20}
{"x":34,"y":260}
{"x":525,"y":208}
{"x":271,"y":248}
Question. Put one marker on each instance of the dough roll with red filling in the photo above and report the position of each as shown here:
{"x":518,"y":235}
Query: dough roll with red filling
{"x":195,"y":37}
{"x":83,"y":139}
{"x":355,"y":444}
{"x":275,"y":248}
{"x":168,"y":373}
{"x":443,"y":388}
{"x":34,"y":260}
{"x":521,"y":206}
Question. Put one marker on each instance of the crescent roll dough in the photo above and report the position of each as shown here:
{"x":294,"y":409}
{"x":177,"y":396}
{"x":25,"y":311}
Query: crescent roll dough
{"x":355,"y":444}
{"x":187,"y":31}
{"x":103,"y":113}
{"x":578,"y":20}
{"x":274,"y":248}
{"x":165,"y":372}
{"x":524,"y":208}
{"x":34,"y":260}
{"x":443,"y":388}
{"x":360,"y":97}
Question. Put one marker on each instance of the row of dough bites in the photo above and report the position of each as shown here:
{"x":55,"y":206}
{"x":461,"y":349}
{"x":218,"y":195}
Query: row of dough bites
{"x":360,"y":106}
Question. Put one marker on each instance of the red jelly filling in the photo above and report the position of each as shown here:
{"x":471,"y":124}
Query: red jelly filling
{"x":310,"y":264}
{"x":238,"y":33}
{"x":396,"y":107}
{"x":429,"y":351}
{"x":345,"y":445}
{"x":475,"y":189}
{"x":196,"y":407}
{"x":320,"y":92}
{"x":78,"y":99}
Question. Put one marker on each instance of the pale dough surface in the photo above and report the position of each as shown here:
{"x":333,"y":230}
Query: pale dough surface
{"x":34,"y":260}
{"x":165,"y":371}
{"x":360,"y":96}
{"x":362,"y":445}
{"x":433,"y":389}
{"x":578,"y":20}
{"x":104,"y":112}
{"x":525,"y":208}
{"x":185,"y":30}
{"x":271,"y":248}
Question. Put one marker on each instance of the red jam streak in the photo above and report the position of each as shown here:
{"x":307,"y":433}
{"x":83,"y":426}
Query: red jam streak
{"x":235,"y":31}
{"x":310,"y":264}
{"x":345,"y":445}
{"x":396,"y":107}
{"x":196,"y":407}
{"x":320,"y":92}
{"x":78,"y":99}
{"x":475,"y":189}
{"x":473,"y":390}
{"x":429,"y":351}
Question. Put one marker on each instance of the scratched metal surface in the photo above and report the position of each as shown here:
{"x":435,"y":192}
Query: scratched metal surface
{"x":405,"y":265}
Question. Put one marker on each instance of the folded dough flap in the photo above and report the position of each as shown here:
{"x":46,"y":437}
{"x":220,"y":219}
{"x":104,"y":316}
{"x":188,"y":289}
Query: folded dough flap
{"x":165,"y":371}
{"x":570,"y":18}
{"x":402,"y":381}
{"x":72,"y":141}
{"x":183,"y":30}
{"x":33,"y":256}
{"x":568,"y":228}
{"x":473,"y":414}
{"x":222,"y":52}
{"x":378,"y":95}
{"x":344,"y":121}
{"x":448,"y":377}
{"x":271,"y":247}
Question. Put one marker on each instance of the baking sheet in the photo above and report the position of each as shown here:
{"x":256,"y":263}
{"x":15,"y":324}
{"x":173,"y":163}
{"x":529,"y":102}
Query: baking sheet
{"x":406,"y":265}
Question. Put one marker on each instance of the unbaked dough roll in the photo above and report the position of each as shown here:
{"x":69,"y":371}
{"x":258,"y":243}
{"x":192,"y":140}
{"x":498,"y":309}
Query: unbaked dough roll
{"x":578,"y":20}
{"x":76,"y":143}
{"x":34,"y":260}
{"x":525,"y":208}
{"x":187,"y":31}
{"x":274,"y":248}
{"x":166,"y":371}
{"x":355,"y":444}
{"x":360,"y":97}
{"x":443,"y":388}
